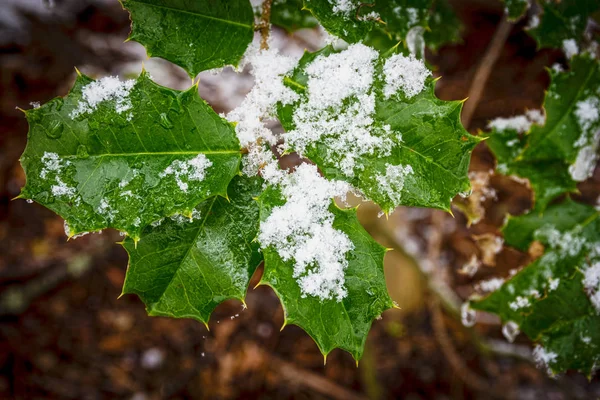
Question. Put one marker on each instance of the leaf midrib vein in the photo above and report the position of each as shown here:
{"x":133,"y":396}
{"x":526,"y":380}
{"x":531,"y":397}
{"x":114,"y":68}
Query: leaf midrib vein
{"x":225,"y":21}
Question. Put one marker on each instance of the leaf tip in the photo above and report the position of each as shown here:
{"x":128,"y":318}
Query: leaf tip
{"x":285,"y":322}
{"x":79,"y":74}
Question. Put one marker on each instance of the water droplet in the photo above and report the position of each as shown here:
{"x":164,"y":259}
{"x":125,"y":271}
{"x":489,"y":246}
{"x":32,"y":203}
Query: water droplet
{"x":165,"y":122}
{"x":82,"y":152}
{"x":176,"y":107}
{"x":468,"y":316}
{"x":510,"y":330}
{"x":55,"y":129}
{"x":59,"y":103}
{"x":188,"y":146}
{"x":29,"y":201}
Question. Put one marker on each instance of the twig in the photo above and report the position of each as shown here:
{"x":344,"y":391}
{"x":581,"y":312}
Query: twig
{"x":311,"y":380}
{"x":484,"y":69}
{"x":265,"y":24}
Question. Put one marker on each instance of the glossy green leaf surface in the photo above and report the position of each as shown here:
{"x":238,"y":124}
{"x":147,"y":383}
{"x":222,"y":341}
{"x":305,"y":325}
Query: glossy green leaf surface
{"x":350,"y":25}
{"x":547,"y":299}
{"x":184,"y":269}
{"x":291,"y":15}
{"x":558,"y":138}
{"x":425,"y":135}
{"x":196,"y":35}
{"x":563,"y":20}
{"x":126,"y":162}
{"x":332,"y":324}
{"x":555,"y":156}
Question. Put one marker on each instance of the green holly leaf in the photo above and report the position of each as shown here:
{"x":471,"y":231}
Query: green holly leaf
{"x":346,"y":20}
{"x":548,"y":178}
{"x":556,"y":155}
{"x":184,"y":268}
{"x":399,"y":145}
{"x":563,"y":20}
{"x":516,"y":8}
{"x":552,"y":300}
{"x":196,"y":35}
{"x":332,"y":323}
{"x":444,"y":26}
{"x":519,"y":231}
{"x":124,"y":154}
{"x":353,"y":21}
{"x":291,"y":15}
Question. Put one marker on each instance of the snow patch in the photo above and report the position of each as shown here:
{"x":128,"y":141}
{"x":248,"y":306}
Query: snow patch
{"x":407,"y":74}
{"x":302,"y":230}
{"x":190,"y":170}
{"x":109,"y":88}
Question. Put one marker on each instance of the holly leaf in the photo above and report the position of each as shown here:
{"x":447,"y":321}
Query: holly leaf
{"x":398,"y":147}
{"x":563,"y":20}
{"x":331,"y":323}
{"x":124,"y":154}
{"x":552,"y":299}
{"x":558,"y":154}
{"x":444,"y":26}
{"x":291,"y":15}
{"x":346,"y":20}
{"x":519,"y":232}
{"x":196,"y":35}
{"x":353,"y":21}
{"x":516,"y":8}
{"x":184,"y":268}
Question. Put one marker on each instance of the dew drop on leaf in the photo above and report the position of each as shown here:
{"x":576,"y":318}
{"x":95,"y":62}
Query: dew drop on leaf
{"x":55,"y":129}
{"x":82,"y":152}
{"x":165,"y":122}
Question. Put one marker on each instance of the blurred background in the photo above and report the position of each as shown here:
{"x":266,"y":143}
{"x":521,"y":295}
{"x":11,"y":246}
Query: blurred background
{"x":64,"y":334}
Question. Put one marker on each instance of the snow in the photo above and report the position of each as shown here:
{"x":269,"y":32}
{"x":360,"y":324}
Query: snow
{"x":406,"y":74}
{"x":392,"y":182}
{"x":344,"y":7}
{"x":490,"y":285}
{"x":109,"y":88}
{"x":585,"y":163}
{"x":567,"y":243}
{"x":570,"y":47}
{"x":591,"y":282}
{"x":339,"y":108}
{"x":302,"y":230}
{"x":62,"y":189}
{"x":543,"y":358}
{"x":520,"y":302}
{"x":588,"y":113}
{"x":268,"y":68}
{"x":52,"y":163}
{"x":518,"y":123}
{"x":190,"y":170}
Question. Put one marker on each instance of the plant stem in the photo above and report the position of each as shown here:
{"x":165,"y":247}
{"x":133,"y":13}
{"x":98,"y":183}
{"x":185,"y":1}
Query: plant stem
{"x":265,"y":24}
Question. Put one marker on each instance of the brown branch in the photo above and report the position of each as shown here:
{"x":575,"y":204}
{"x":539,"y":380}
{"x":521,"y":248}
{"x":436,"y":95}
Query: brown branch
{"x":484,"y":70}
{"x":265,"y":24}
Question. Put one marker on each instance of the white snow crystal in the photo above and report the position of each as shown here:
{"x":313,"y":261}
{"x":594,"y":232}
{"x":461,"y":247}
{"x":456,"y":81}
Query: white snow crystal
{"x":339,"y":109}
{"x":190,"y":170}
{"x":520,"y":302}
{"x":302,"y":230}
{"x":344,"y":7}
{"x":490,"y":285}
{"x":587,"y":112}
{"x":392,"y":182}
{"x":404,"y":73}
{"x":109,"y":88}
{"x":591,"y":282}
{"x":544,"y":358}
{"x":570,"y":47}
{"x":519,"y":123}
{"x":510,"y":330}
